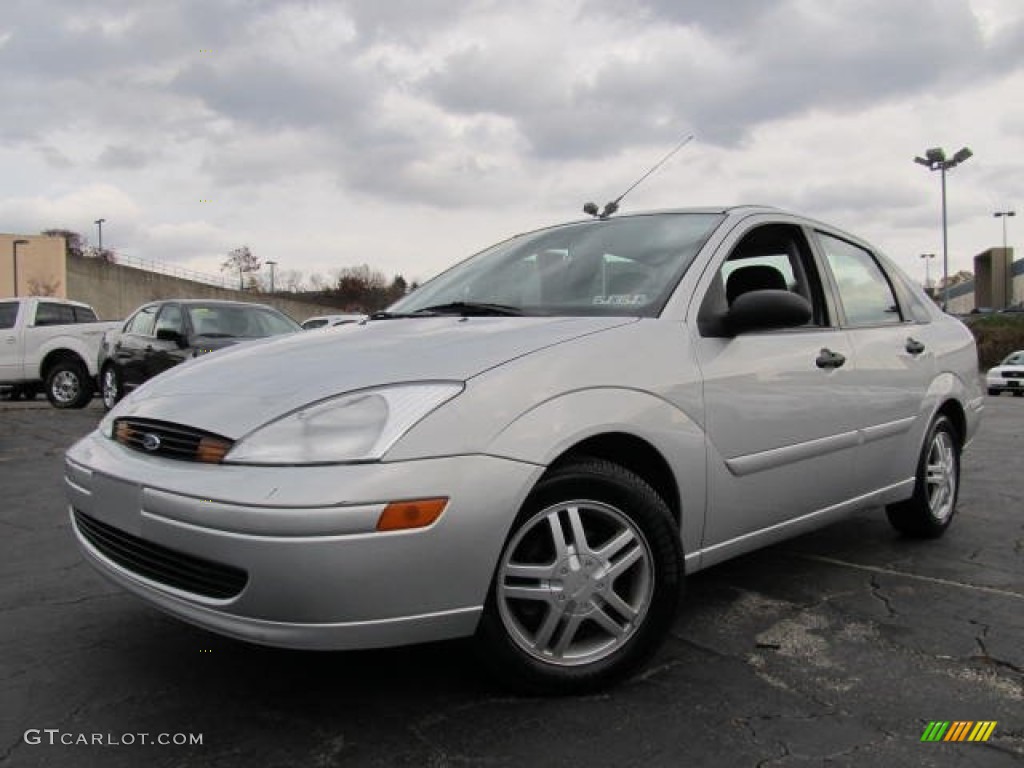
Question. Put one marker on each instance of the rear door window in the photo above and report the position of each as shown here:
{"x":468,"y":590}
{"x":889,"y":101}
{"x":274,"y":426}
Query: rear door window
{"x":52,"y":313}
{"x":865,"y":292}
{"x":143,"y":322}
{"x":84,"y":315}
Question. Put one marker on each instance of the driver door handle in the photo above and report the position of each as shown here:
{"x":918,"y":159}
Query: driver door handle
{"x":830,"y":359}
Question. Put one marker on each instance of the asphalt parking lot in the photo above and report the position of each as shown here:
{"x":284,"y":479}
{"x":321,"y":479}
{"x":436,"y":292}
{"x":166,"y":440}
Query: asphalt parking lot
{"x":835,"y":648}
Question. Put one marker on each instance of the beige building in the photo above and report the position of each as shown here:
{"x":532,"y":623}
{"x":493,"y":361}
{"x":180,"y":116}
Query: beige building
{"x":37,"y":261}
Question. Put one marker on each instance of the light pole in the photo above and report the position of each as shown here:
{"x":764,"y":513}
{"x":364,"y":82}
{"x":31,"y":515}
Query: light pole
{"x":935,"y":160}
{"x":99,"y":224}
{"x":927,"y":274}
{"x":1004,"y":215}
{"x":14,"y":261}
{"x":271,"y":264}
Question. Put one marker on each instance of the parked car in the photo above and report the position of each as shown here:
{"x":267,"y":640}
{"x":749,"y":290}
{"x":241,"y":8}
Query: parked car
{"x":1008,"y":376}
{"x":162,"y":334}
{"x":49,"y":345}
{"x":536,"y":446}
{"x":326,"y":321}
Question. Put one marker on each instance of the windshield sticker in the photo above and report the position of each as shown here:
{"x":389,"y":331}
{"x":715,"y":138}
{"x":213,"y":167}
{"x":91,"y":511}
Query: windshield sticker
{"x":622,"y":299}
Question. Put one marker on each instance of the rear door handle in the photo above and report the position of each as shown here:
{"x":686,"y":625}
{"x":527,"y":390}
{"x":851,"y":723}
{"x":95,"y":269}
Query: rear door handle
{"x":914,"y":346}
{"x":830,"y":359}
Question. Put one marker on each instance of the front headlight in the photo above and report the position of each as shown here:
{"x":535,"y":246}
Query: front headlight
{"x":358,"y":426}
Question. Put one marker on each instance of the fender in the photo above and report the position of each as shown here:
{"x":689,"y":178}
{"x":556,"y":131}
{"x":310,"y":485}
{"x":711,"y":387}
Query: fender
{"x":551,"y":428}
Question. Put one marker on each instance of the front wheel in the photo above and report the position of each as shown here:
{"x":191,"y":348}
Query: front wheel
{"x":110,"y":387}
{"x":928,"y":513}
{"x":587,"y":584}
{"x":68,"y":385}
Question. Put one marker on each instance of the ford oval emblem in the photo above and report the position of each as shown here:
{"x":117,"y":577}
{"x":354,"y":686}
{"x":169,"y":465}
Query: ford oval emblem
{"x":150,"y":441}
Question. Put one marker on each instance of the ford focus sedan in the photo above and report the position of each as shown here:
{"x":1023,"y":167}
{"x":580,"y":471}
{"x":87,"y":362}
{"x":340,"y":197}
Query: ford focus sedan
{"x":537,"y":446}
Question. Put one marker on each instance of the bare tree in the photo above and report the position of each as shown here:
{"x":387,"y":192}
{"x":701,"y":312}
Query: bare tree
{"x":290,"y":279}
{"x":43,"y":287}
{"x":241,"y":260}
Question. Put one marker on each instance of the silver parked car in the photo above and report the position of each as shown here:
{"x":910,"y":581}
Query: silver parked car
{"x":538,"y":445}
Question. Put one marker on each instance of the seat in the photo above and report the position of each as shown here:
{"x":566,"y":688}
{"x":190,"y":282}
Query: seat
{"x":756,"y":277}
{"x":206,"y":326}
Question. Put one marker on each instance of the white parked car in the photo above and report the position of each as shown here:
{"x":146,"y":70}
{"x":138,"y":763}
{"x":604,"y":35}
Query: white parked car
{"x":537,"y":446}
{"x":1008,"y":376}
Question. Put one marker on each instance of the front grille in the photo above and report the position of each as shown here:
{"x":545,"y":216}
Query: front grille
{"x":1013,"y":374}
{"x":162,"y":564}
{"x":173,"y":441}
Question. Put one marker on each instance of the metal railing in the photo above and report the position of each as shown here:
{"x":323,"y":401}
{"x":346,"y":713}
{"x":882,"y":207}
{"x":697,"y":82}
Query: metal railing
{"x":176,"y":271}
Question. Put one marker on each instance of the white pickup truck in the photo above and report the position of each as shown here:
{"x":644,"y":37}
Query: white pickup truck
{"x":50,"y":345}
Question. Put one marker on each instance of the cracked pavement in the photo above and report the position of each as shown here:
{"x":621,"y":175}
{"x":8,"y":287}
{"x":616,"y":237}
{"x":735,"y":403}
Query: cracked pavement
{"x":834,"y":648}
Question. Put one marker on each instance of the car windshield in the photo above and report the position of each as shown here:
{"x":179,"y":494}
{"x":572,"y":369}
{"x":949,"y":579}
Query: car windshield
{"x":239,"y":321}
{"x":626,"y":266}
{"x":1017,"y":358}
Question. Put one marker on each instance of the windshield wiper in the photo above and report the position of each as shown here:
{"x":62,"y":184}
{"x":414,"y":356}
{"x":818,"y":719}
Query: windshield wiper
{"x":385,"y":315}
{"x":467,"y":308}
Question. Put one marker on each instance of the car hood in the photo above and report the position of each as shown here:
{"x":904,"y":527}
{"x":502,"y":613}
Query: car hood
{"x":244,"y":386}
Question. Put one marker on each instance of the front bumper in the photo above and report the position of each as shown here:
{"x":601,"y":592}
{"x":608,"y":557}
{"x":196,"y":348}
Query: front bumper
{"x":1004,"y":384}
{"x":316,"y":572}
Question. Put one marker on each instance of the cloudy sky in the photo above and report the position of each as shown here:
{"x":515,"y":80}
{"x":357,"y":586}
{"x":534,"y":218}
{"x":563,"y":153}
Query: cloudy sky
{"x":407,"y":134}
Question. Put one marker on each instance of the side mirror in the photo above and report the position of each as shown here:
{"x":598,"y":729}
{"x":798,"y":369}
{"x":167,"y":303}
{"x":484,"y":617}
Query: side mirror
{"x":767,"y":310}
{"x":169,"y":334}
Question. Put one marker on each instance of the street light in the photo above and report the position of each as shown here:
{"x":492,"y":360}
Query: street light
{"x":935,"y":160}
{"x":14,"y":260}
{"x":271,"y":264}
{"x":927,"y":274}
{"x":99,"y":224}
{"x":1004,"y":215}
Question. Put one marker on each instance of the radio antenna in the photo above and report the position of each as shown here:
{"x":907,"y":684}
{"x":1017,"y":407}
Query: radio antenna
{"x":613,"y":206}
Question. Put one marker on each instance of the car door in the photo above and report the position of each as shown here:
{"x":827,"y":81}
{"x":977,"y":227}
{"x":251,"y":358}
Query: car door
{"x":779,"y":404}
{"x":10,"y":349}
{"x":130,"y":348}
{"x":161,"y":354}
{"x":895,"y":360}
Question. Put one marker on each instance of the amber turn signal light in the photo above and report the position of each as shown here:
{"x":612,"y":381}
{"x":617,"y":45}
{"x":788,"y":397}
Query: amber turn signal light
{"x":403,"y":515}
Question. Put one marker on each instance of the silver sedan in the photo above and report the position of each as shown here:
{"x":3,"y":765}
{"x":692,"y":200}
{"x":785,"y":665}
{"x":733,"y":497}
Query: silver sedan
{"x":537,"y":446}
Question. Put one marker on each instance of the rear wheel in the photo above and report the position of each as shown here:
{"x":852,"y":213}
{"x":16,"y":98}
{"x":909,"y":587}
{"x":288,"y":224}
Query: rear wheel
{"x":587,"y":584}
{"x":928,"y":513}
{"x":1018,"y":393}
{"x":68,"y":385}
{"x":110,"y":387}
{"x":993,"y":391}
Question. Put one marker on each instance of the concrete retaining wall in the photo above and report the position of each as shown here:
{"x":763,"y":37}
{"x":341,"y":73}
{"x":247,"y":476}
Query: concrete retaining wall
{"x":115,"y":290}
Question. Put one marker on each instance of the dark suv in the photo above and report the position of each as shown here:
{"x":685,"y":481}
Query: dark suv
{"x":162,"y":334}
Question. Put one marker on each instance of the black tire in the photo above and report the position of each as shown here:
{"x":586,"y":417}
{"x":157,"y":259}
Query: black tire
{"x":68,"y":385}
{"x":1018,"y":393}
{"x":609,"y":597}
{"x":993,"y":391}
{"x":30,"y":392}
{"x":111,"y":391}
{"x":928,"y":513}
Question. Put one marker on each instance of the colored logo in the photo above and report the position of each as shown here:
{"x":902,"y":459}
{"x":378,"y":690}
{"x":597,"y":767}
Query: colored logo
{"x":958,"y":730}
{"x":150,"y":441}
